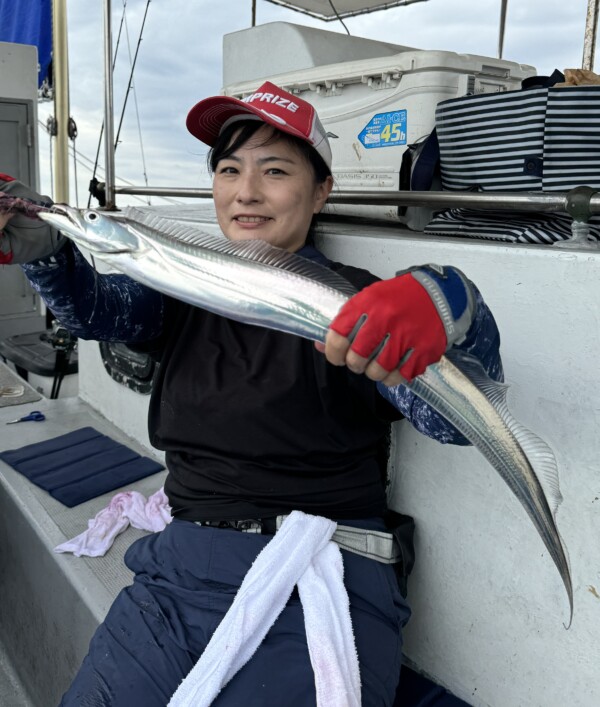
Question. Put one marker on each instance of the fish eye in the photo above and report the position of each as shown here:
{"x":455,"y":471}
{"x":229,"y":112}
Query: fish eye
{"x":90,"y":216}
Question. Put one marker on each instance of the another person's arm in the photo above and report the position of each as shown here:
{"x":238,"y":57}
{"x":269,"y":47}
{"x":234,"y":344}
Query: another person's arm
{"x":24,"y":238}
{"x":88,"y":304}
{"x":95,"y":306}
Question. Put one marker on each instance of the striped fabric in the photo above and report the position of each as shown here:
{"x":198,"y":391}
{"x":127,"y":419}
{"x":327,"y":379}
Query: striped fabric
{"x":572,"y":138}
{"x":541,"y":139}
{"x":508,"y":227}
{"x":485,"y":140}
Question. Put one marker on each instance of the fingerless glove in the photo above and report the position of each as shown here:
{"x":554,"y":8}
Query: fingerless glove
{"x":410,"y":321}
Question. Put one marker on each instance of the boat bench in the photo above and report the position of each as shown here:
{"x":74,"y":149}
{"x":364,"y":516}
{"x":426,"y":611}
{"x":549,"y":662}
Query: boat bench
{"x":50,"y":604}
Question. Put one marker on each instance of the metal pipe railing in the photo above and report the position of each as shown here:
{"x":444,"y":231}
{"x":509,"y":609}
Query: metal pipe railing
{"x":166,"y":191}
{"x":501,"y":201}
{"x":488,"y":201}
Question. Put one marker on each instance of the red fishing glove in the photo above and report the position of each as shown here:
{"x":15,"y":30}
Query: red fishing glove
{"x":408,"y":322}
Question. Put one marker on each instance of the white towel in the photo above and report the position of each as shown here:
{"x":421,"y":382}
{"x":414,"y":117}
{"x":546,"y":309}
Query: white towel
{"x":125,"y":508}
{"x":329,"y":630}
{"x":300,"y":553}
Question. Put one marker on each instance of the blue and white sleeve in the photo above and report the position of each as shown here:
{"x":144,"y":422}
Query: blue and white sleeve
{"x":483,"y":342}
{"x":96,"y":306}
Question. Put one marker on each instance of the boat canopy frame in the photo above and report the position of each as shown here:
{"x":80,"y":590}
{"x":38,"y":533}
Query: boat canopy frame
{"x":340,"y":9}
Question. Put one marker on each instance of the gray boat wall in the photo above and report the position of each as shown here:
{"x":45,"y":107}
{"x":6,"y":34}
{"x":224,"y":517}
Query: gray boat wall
{"x":488,"y":604}
{"x":20,"y":307}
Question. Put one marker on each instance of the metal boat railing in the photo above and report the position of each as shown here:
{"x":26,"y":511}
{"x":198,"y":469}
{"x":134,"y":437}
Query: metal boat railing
{"x":580,"y":203}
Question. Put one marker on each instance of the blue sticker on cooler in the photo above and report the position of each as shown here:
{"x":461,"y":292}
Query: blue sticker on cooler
{"x":385,"y":130}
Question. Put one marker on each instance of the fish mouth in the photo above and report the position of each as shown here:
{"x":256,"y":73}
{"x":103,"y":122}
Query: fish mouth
{"x":65,"y":219}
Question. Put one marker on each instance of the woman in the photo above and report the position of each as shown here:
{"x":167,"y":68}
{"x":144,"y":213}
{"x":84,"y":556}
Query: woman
{"x":256,"y":423}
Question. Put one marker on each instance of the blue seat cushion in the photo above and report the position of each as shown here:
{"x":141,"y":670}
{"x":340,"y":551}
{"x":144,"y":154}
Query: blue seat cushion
{"x":80,"y":465}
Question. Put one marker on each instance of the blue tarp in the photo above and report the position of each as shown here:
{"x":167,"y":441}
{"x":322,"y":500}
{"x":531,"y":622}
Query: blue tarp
{"x":29,"y":22}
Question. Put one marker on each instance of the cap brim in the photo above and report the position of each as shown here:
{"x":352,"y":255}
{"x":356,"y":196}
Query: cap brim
{"x":207,"y":118}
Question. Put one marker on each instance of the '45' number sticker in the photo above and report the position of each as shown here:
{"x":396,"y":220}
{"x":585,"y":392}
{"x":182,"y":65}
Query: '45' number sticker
{"x":385,"y":130}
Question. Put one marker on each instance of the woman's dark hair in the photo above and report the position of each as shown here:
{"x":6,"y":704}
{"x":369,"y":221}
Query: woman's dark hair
{"x":225,"y":147}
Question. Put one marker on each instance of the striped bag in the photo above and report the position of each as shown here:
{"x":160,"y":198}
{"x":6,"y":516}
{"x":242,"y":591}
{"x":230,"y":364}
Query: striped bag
{"x":540,"y":139}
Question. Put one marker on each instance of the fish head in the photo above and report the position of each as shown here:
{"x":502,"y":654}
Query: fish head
{"x":91,"y":229}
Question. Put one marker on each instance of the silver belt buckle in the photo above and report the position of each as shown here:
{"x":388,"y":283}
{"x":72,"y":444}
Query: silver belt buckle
{"x":249,"y":526}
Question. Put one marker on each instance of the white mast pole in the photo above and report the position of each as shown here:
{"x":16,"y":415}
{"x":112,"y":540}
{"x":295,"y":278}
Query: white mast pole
{"x":109,"y":128}
{"x":501,"y":32}
{"x":60,"y":66}
{"x":589,"y":42}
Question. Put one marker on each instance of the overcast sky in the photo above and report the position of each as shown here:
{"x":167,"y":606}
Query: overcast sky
{"x":180,"y":62}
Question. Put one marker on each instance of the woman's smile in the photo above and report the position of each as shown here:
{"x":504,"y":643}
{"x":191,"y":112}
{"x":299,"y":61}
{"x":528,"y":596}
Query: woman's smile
{"x":251,"y":221}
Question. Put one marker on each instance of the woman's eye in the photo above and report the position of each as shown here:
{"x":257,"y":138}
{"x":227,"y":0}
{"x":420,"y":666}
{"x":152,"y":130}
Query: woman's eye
{"x":227,"y":170}
{"x":275,"y":171}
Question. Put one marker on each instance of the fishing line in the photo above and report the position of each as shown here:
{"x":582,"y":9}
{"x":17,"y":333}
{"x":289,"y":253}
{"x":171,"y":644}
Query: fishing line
{"x":72,"y":133}
{"x":123,"y":23}
{"x":96,"y":286}
{"x":137,"y":49}
{"x":50,"y":128}
{"x":82,"y":158}
{"x":137,"y":113}
{"x":102,"y":126}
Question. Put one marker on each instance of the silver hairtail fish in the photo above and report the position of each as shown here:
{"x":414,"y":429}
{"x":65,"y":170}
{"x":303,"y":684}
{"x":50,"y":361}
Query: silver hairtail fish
{"x":256,"y":283}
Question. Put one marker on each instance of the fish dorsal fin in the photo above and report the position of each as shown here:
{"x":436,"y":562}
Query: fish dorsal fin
{"x":253,"y":250}
{"x":538,"y":452}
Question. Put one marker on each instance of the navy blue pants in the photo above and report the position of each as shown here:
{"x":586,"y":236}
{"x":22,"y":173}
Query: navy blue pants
{"x":185,"y":580}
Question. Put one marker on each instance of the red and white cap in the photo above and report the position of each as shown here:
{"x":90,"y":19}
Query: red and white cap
{"x":270,"y":104}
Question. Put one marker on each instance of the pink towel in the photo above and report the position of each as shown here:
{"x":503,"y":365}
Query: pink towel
{"x":125,"y":508}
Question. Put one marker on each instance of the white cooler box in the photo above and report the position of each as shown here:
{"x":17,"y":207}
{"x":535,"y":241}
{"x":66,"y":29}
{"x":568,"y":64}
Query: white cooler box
{"x":377,"y":106}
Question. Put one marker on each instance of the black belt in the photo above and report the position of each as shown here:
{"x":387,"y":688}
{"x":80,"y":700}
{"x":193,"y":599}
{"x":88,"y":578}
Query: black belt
{"x":264,"y":526}
{"x":394,"y":547}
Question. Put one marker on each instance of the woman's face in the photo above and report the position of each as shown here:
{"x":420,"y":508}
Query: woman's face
{"x":267,"y":189}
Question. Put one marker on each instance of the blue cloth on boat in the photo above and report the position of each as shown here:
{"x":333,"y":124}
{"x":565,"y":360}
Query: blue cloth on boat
{"x":27,"y":22}
{"x":80,"y":465}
